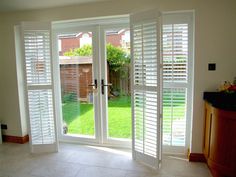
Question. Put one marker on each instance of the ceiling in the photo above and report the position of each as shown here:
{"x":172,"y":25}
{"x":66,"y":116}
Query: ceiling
{"x":14,"y":5}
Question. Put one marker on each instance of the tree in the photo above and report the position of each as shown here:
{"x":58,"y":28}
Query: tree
{"x":86,"y":50}
{"x":117,"y":58}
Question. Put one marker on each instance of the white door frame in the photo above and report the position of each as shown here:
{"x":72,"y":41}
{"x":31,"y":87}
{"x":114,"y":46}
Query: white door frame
{"x":95,"y":36}
{"x":97,"y":27}
{"x":104,"y":98}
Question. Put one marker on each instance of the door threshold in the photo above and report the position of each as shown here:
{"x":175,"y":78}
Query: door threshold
{"x":104,"y":145}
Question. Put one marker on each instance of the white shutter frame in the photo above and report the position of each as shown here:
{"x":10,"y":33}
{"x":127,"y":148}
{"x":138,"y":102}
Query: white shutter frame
{"x":144,"y":18}
{"x":46,"y":144}
{"x":180,"y":18}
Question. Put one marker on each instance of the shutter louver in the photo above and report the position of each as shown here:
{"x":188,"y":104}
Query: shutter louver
{"x":150,"y":123}
{"x":38,"y":69}
{"x":37,"y":57}
{"x":175,"y":78}
{"x":146,"y":87}
{"x":138,"y":121}
{"x":145,"y":53}
{"x":175,"y":52}
{"x":145,"y":111}
{"x":41,"y":116}
{"x":145,"y":79}
{"x":174,"y":116}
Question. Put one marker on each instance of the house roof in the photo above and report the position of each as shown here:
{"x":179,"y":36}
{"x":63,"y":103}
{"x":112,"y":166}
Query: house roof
{"x":64,"y":60}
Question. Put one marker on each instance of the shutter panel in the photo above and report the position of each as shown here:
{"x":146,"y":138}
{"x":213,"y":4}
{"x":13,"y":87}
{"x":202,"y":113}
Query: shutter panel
{"x":176,"y":91}
{"x":40,"y":98}
{"x":146,"y":85}
{"x":175,"y":52}
{"x":37,"y":57}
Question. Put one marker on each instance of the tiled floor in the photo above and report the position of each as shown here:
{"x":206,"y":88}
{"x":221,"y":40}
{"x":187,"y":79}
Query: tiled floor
{"x":87,"y":161}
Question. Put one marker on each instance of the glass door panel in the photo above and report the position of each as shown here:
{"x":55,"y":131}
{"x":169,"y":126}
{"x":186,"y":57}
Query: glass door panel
{"x":118,"y":75}
{"x":92,"y":109}
{"x":77,"y":91}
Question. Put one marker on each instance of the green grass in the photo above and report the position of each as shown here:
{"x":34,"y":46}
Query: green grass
{"x":79,"y":117}
{"x":119,"y":117}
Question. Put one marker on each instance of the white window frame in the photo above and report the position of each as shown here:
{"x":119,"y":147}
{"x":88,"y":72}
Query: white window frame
{"x":181,"y":17}
{"x":97,"y":26}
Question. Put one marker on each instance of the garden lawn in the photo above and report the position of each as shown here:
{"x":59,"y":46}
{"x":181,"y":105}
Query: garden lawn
{"x":119,"y":117}
{"x":79,"y":117}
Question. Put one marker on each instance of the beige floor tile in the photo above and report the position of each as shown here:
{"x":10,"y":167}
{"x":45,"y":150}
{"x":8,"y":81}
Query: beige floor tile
{"x":100,"y":172}
{"x":75,"y":160}
{"x":56,"y":169}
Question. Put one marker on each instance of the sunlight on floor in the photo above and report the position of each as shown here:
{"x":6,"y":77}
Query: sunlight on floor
{"x":124,"y":152}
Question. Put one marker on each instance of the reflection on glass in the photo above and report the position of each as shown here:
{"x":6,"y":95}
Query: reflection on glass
{"x":76,"y":72}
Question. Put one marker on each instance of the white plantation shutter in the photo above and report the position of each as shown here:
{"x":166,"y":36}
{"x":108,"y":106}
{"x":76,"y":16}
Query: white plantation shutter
{"x":41,"y":116}
{"x":174,"y":116}
{"x":177,"y":63}
{"x":39,"y":86}
{"x":175,"y":52}
{"x":146,"y":87}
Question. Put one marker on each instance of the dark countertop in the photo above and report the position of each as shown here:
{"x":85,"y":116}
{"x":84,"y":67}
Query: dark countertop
{"x":221,"y":100}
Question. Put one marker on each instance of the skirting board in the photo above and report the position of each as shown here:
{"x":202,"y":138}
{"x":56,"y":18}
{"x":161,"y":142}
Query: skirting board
{"x":197,"y":157}
{"x":15,"y":139}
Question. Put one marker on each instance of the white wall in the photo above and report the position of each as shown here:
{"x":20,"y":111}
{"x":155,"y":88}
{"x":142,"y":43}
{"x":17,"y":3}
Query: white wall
{"x":215,"y":42}
{"x":1,"y":77}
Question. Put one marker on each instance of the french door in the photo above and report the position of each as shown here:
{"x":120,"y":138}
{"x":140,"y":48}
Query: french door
{"x":89,"y":100}
{"x":116,"y":96}
{"x":78,"y":84}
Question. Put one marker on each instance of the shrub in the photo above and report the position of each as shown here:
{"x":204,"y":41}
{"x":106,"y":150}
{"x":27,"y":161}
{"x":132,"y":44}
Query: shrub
{"x":69,"y":97}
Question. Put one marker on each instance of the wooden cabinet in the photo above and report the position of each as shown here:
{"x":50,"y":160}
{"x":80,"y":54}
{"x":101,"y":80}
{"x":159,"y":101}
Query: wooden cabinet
{"x":207,"y":129}
{"x":220,"y":141}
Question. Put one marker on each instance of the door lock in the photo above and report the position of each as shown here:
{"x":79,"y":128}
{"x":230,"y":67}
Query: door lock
{"x":95,"y":84}
{"x":103,"y":85}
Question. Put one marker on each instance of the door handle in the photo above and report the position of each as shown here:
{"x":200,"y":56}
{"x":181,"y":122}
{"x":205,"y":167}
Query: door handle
{"x":103,"y":85}
{"x":95,"y":84}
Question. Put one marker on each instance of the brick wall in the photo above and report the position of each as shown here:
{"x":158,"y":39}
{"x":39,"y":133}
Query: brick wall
{"x":71,"y":43}
{"x":114,"y":39}
{"x":68,"y":44}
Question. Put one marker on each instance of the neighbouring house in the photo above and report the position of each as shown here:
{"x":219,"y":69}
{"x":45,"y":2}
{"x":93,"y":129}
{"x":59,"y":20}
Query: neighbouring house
{"x":76,"y":72}
{"x":69,"y":42}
